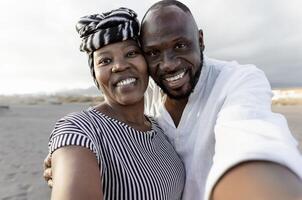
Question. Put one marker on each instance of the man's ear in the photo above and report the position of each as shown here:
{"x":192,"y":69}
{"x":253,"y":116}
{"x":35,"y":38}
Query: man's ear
{"x":201,"y":43}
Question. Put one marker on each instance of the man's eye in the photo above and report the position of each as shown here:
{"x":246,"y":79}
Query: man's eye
{"x":152,"y":53}
{"x":181,"y":46}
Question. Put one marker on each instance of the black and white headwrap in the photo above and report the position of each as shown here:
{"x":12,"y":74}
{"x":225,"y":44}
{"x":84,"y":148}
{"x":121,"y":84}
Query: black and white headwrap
{"x":99,"y":30}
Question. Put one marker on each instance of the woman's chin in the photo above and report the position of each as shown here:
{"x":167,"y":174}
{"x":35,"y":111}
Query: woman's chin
{"x":130,"y":99}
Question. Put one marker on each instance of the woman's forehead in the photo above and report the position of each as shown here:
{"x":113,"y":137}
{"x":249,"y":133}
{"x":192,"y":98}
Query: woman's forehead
{"x":114,"y":47}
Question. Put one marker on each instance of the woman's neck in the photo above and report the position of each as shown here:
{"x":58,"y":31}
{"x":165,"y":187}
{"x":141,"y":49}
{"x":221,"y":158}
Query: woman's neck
{"x":133,"y":115}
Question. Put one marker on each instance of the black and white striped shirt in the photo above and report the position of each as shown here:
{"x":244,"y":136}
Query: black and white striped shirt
{"x":133,"y":164}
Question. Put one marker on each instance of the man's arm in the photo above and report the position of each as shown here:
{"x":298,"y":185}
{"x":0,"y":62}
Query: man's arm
{"x":258,"y":180}
{"x":248,"y":132}
{"x":75,"y":174}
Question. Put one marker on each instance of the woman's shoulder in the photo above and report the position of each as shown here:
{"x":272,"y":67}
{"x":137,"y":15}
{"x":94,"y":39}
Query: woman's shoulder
{"x":155,"y":126}
{"x":83,"y":116}
{"x":78,"y":120}
{"x":76,"y":124}
{"x":74,"y":129}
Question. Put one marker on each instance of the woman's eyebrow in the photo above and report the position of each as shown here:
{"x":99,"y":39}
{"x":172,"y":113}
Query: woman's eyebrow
{"x":101,"y":53}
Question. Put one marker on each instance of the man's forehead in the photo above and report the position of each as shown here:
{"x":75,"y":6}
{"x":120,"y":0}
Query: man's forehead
{"x":166,"y":23}
{"x":165,"y":38}
{"x":165,"y":14}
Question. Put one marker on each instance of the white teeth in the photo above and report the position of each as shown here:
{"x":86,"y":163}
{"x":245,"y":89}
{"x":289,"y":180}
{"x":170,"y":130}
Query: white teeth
{"x":176,"y":77}
{"x":125,"y":82}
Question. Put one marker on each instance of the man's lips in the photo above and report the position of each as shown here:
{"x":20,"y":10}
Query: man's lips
{"x":175,"y":76}
{"x":176,"y":80}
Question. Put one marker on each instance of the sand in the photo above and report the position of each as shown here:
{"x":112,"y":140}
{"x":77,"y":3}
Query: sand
{"x":24,"y":132}
{"x":293,"y":115}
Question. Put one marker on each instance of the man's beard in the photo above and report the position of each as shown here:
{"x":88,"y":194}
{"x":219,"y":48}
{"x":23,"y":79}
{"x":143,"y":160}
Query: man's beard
{"x":193,"y":81}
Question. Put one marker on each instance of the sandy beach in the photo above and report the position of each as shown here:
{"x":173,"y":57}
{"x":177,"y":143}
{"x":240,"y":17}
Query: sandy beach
{"x":24,"y":131}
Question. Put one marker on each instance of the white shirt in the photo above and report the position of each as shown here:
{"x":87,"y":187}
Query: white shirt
{"x":227,"y":120}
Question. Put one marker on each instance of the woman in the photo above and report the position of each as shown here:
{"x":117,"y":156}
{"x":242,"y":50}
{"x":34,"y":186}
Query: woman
{"x":114,"y":151}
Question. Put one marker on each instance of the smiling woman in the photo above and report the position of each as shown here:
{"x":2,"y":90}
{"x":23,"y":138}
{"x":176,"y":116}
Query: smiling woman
{"x":123,"y":88}
{"x":113,"y":150}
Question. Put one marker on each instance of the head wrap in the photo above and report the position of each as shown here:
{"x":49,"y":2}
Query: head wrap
{"x":99,"y":30}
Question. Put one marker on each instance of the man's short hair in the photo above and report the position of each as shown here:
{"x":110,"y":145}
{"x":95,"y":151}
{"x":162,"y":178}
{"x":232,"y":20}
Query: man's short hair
{"x":165,"y":3}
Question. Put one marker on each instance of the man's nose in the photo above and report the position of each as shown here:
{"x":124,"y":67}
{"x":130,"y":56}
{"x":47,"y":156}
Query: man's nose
{"x":169,"y":62}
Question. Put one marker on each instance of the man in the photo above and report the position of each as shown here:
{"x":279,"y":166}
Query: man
{"x":216,"y":110}
{"x":216,"y":114}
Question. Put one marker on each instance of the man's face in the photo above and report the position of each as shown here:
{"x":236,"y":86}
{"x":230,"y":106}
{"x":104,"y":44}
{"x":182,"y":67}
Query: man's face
{"x":173,"y":48}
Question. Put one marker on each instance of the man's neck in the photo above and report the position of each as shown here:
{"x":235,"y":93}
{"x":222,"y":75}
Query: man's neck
{"x":175,"y":108}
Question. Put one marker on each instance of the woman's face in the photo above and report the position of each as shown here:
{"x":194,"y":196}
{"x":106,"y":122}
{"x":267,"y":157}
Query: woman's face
{"x":121,"y":72}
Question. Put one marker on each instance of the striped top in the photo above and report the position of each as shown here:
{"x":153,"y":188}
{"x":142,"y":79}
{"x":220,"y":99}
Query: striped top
{"x":133,"y":164}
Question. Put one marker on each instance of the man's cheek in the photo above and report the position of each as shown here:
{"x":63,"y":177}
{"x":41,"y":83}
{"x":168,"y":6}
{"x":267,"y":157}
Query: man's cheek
{"x":152,"y":71}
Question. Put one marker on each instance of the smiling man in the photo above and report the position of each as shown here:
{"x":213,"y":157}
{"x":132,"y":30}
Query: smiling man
{"x":216,"y":114}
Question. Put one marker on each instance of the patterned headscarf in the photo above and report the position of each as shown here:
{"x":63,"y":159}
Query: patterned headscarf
{"x":99,"y":30}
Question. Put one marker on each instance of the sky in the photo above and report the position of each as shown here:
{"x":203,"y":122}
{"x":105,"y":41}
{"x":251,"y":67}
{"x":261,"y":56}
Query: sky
{"x":39,"y":47}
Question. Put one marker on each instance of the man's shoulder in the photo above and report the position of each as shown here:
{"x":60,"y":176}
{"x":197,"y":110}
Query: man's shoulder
{"x":232,"y":69}
{"x":233,"y":65}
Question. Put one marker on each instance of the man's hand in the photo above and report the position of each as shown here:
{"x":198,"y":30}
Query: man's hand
{"x":47,"y":173}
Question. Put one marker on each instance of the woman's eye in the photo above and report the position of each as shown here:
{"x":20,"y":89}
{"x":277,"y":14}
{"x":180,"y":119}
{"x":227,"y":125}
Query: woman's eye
{"x":104,"y":61}
{"x":132,"y":53}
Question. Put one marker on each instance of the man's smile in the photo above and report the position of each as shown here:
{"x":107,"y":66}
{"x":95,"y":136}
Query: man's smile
{"x":178,"y":75}
{"x":177,"y":79}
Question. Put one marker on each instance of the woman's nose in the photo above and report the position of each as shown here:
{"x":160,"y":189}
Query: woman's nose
{"x":119,"y":65}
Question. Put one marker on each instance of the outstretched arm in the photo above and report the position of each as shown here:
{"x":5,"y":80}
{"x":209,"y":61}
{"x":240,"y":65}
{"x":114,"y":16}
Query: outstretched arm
{"x":256,"y":157}
{"x":75,"y":174}
{"x":258,"y":180}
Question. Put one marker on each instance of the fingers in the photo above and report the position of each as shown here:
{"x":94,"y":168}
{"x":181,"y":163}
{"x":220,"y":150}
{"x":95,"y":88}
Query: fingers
{"x":47,"y":162}
{"x":47,"y":174}
{"x":50,"y":183}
